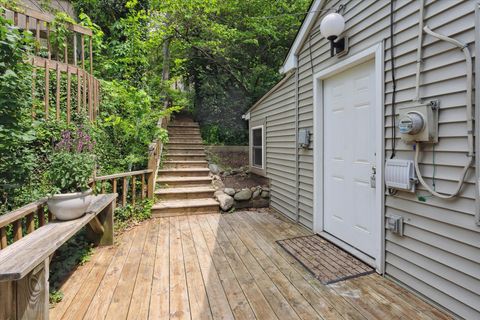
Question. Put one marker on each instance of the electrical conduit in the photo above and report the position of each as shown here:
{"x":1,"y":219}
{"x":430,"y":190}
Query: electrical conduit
{"x":470,"y":155}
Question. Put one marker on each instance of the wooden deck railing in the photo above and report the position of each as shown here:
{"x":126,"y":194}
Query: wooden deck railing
{"x":70,"y":62}
{"x":23,"y":221}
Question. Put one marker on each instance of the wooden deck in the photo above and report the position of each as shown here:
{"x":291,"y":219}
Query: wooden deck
{"x":221,"y":267}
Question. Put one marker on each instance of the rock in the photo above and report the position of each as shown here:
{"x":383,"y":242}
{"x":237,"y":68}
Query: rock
{"x":218,"y":193}
{"x":244,"y":194}
{"x":256,"y":194}
{"x":265,"y":194}
{"x":261,"y":203}
{"x":218,"y":184}
{"x":229,"y":191}
{"x":253,"y":189}
{"x":226,"y":202}
{"x":266,"y":188}
{"x":214,"y":168}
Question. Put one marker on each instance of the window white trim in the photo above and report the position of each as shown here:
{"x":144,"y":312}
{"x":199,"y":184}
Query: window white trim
{"x":373,"y":53}
{"x":252,"y":164}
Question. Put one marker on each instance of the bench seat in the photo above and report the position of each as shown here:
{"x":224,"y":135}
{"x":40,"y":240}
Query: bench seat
{"x":30,"y":256}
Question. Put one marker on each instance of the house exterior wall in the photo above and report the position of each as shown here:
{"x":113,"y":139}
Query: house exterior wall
{"x":439,"y":254}
{"x":277,"y":114}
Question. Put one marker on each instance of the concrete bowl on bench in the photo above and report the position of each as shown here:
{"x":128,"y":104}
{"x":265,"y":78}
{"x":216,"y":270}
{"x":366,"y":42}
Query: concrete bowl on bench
{"x":70,"y":206}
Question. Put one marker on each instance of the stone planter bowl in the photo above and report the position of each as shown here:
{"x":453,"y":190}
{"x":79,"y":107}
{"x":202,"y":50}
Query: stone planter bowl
{"x":70,"y":206}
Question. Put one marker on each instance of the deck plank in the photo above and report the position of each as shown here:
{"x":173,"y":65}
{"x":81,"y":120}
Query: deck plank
{"x":101,"y":301}
{"x":199,"y":306}
{"x":122,"y":295}
{"x":220,"y":299}
{"x":179,"y":305}
{"x":264,"y":250}
{"x":139,"y":305}
{"x":87,"y":291}
{"x":160,"y":293}
{"x":303,"y":309}
{"x":222,"y":267}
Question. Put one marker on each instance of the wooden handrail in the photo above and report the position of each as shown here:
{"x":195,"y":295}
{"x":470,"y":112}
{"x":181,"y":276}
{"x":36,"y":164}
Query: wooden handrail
{"x":22,"y":212}
{"x":123,"y":174}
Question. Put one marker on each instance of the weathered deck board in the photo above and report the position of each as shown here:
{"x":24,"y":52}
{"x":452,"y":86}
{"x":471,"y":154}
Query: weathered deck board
{"x":222,"y":267}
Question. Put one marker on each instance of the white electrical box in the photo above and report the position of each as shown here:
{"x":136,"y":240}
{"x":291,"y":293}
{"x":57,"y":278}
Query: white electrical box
{"x":303,"y":138}
{"x":419,"y":123}
{"x":400,"y":175}
{"x":394,"y":223}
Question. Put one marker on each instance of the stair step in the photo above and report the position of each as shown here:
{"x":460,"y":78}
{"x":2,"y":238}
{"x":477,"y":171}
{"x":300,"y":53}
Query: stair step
{"x":175,"y":182}
{"x":185,"y":164}
{"x":184,"y":207}
{"x":184,"y":172}
{"x":183,"y":125}
{"x":180,"y":136}
{"x":186,"y":157}
{"x":187,"y":151}
{"x":201,"y":192}
{"x":180,"y":130}
{"x":185,"y":144}
{"x":185,"y":141}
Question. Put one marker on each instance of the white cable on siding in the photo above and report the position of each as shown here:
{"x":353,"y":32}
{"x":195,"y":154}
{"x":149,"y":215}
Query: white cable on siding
{"x":469,"y":72}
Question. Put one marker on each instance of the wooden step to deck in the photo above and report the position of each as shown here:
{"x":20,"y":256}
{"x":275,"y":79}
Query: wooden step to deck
{"x":185,"y":193}
{"x":185,"y":164}
{"x":184,"y":172}
{"x":184,"y":145}
{"x":183,"y":126}
{"x":175,"y":182}
{"x":179,"y":136}
{"x":197,"y":149}
{"x":185,"y":141}
{"x":184,"y":207}
{"x":186,"y":157}
{"x":182,"y":130}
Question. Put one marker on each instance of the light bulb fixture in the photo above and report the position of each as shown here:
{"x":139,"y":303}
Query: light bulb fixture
{"x":331,"y":28}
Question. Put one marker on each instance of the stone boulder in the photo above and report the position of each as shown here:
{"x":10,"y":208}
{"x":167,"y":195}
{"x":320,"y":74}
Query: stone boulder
{"x":243,"y":195}
{"x":265,"y":194}
{"x":229,"y":191}
{"x":225,"y":201}
{"x":256,"y":194}
{"x":214,"y":168}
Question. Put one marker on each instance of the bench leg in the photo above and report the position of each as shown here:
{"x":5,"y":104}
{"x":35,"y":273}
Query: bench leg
{"x":27,"y":298}
{"x":101,"y":230}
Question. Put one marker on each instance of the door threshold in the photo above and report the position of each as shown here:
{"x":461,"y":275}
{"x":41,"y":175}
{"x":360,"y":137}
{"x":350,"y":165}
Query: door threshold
{"x":350,"y":249}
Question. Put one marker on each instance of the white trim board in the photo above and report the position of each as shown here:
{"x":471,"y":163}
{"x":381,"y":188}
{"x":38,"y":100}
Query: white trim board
{"x":373,"y":53}
{"x":263,"y":147}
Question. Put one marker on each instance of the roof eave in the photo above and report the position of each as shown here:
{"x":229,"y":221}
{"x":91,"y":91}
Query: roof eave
{"x":291,"y":61}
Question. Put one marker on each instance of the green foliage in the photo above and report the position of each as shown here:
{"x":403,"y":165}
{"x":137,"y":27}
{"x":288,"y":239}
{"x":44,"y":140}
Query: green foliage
{"x":125,"y":216}
{"x":71,"y":164}
{"x":74,"y":252}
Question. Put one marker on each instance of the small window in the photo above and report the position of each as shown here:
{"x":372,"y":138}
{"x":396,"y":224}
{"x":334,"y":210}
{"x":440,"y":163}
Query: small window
{"x":257,"y":147}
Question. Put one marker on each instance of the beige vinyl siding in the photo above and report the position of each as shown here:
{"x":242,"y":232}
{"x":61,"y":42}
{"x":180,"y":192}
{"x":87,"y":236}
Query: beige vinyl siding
{"x":277,"y":112}
{"x":439,"y":255}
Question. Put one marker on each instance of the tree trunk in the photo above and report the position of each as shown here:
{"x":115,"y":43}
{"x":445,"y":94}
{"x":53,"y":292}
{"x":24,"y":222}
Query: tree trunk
{"x":166,"y":67}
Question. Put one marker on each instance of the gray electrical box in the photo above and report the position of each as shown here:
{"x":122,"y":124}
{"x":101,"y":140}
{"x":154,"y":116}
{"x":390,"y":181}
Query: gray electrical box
{"x":394,"y":223}
{"x":419,"y":123}
{"x":303,"y":138}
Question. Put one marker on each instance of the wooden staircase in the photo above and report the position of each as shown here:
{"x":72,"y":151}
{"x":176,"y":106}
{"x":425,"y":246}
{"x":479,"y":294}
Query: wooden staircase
{"x":185,"y":184}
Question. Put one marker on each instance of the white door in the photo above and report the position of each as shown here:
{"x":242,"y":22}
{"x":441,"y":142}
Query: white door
{"x":349,"y":157}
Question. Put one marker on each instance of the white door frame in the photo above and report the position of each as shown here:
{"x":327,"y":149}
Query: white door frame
{"x":373,"y":53}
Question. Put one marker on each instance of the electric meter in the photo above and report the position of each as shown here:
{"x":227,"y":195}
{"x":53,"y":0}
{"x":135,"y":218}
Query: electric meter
{"x":419,"y":123}
{"x":411,"y":123}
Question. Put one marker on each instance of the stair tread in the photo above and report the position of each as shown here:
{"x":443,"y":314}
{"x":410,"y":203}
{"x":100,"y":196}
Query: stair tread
{"x":188,"y":203}
{"x":185,"y":154}
{"x":185,"y":161}
{"x":172,"y":178}
{"x":183,"y":170}
{"x":185,"y":190}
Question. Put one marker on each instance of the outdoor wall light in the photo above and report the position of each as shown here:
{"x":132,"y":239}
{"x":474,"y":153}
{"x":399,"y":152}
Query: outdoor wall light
{"x":331,"y":28}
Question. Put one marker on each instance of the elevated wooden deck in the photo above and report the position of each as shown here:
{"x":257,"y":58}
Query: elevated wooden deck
{"x":221,"y":267}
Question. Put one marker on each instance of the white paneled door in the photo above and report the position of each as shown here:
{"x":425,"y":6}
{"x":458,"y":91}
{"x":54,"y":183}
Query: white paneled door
{"x":349,"y":157}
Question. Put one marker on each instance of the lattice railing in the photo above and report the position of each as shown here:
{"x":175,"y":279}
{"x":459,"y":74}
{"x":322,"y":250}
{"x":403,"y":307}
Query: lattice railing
{"x":68,"y":63}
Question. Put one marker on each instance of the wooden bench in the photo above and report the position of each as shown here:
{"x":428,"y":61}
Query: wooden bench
{"x":24,"y":265}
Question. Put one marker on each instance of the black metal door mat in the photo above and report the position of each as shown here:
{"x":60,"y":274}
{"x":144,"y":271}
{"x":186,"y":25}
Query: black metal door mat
{"x":327,"y":262}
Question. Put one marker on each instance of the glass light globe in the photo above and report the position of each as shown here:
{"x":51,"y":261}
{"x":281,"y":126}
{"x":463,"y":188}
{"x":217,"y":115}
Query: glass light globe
{"x":332,"y":26}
